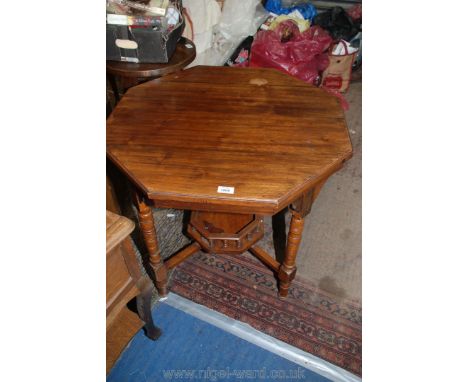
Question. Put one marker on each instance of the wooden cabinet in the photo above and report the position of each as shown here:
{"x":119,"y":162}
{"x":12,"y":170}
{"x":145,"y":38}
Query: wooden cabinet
{"x":124,"y":281}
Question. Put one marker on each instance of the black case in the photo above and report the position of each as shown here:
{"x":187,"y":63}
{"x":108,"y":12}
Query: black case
{"x":153,"y":46}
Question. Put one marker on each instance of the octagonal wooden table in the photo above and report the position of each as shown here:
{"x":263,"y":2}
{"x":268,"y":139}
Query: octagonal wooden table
{"x":231,"y":145}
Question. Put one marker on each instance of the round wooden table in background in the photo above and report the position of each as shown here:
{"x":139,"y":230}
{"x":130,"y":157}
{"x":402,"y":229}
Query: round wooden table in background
{"x":132,"y":74}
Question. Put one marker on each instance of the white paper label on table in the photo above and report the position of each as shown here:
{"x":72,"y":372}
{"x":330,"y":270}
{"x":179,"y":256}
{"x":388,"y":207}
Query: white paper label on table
{"x":225,"y":190}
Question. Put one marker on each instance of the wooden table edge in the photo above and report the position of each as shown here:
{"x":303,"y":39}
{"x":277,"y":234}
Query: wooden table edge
{"x":220,"y":204}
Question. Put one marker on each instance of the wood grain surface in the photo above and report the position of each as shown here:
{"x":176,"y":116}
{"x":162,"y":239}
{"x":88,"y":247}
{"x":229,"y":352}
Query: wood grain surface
{"x":266,"y":134}
{"x":124,"y":281}
{"x":117,"y":228}
{"x":119,"y":334}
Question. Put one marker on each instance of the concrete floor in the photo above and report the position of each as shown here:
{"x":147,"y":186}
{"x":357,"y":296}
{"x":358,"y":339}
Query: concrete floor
{"x":330,"y":251}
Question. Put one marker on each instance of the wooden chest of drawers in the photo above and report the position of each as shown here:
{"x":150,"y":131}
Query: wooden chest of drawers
{"x":124,"y":281}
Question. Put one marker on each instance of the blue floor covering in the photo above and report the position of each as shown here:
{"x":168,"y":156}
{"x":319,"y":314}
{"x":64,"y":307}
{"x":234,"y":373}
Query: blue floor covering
{"x":193,"y":350}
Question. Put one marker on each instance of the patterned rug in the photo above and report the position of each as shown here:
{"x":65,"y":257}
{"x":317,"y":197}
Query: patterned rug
{"x":242,"y":288}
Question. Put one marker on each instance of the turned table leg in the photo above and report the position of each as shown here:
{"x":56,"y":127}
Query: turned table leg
{"x":145,"y":215}
{"x":299,"y":210}
{"x":287,"y":270}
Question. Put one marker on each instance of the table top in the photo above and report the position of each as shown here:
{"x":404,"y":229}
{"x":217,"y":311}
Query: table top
{"x":184,"y":54}
{"x":264,"y":137}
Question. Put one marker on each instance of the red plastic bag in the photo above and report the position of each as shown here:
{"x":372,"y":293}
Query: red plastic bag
{"x":355,"y":12}
{"x":298,"y":54}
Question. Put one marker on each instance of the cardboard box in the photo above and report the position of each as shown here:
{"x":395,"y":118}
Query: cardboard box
{"x":141,"y":45}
